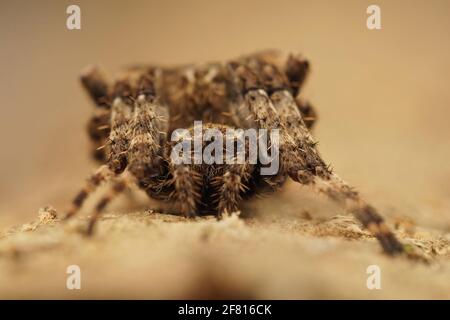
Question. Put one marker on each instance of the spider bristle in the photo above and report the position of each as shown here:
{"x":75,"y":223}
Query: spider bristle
{"x":101,"y":147}
{"x":104,"y":127}
{"x":243,"y":187}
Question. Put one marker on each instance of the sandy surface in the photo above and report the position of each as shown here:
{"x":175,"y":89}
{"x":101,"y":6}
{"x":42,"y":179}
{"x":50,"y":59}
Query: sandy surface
{"x":383,"y":103}
{"x":152,"y":255}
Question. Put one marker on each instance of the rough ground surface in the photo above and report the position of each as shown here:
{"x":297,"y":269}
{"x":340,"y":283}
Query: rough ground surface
{"x":145,"y":254}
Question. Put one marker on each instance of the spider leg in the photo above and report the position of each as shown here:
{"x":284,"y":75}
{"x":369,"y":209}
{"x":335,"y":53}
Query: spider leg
{"x":336,"y":189}
{"x":96,"y":85}
{"x":98,"y":126}
{"x":147,"y":151}
{"x":230,"y":187}
{"x":187,"y":185}
{"x":148,"y":128}
{"x":101,"y":175}
{"x":98,"y":130}
{"x":117,"y":146}
{"x":296,"y":70}
{"x":315,"y":173}
{"x":298,"y":154}
{"x":307,"y":111}
{"x":117,"y":188}
{"x":236,"y":172}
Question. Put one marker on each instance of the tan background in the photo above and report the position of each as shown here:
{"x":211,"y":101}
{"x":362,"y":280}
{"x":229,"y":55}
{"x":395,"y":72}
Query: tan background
{"x":383,"y":96}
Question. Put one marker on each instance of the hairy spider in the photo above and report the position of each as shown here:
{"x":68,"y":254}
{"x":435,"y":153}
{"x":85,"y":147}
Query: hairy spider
{"x":135,"y":116}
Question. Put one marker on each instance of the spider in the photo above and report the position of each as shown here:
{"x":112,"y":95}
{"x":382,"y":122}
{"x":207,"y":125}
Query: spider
{"x":135,"y":116}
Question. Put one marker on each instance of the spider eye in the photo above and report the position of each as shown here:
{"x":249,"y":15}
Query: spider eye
{"x":118,"y":164}
{"x":141,"y":98}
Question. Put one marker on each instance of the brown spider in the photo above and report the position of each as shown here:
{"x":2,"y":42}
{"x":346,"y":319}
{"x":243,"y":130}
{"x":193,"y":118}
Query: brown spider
{"x":136,"y":115}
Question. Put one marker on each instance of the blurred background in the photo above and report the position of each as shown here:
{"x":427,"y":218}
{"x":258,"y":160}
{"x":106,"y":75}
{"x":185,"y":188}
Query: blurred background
{"x":382,"y":95}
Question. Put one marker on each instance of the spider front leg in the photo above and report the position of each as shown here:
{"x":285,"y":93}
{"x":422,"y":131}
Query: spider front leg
{"x":117,"y":146}
{"x":145,"y":135}
{"x":336,"y":189}
{"x":230,"y":187}
{"x":101,"y":175}
{"x":148,"y":129}
{"x":117,"y":188}
{"x":187,"y":186}
{"x":236,"y":171}
{"x":229,"y":192}
{"x":301,"y":161}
